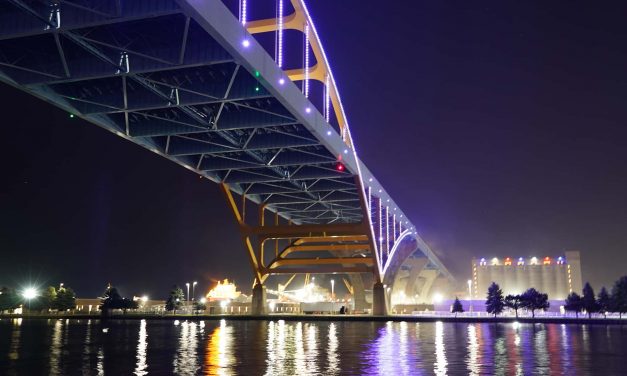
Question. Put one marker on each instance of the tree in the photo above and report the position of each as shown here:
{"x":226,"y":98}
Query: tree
{"x":9,"y":300}
{"x":66,"y":299}
{"x":573,"y":304}
{"x":175,"y":300}
{"x":513,"y":302}
{"x":494,"y":302}
{"x":619,"y":296}
{"x":199,"y":306}
{"x":128,"y":304}
{"x":604,"y":302}
{"x":533,"y":300}
{"x":589,"y":301}
{"x":111,"y":299}
{"x":457,"y":307}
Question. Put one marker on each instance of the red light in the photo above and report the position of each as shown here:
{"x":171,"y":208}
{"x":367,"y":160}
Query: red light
{"x":339,"y":167}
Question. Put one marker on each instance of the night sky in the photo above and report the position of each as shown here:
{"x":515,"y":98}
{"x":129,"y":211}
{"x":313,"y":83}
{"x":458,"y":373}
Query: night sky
{"x":498,"y":127}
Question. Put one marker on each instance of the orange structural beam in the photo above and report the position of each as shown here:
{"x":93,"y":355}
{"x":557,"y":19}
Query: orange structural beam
{"x":297,"y":21}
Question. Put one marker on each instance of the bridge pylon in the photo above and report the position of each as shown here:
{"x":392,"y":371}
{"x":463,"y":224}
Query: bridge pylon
{"x":288,"y":248}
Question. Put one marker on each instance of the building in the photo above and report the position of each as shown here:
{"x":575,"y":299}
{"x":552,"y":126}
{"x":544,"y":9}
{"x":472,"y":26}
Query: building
{"x":557,"y":276}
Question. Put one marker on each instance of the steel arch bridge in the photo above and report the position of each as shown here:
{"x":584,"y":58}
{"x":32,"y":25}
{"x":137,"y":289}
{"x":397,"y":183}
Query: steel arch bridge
{"x":238,"y":91}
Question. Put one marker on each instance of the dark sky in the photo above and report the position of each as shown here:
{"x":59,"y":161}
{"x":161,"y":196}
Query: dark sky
{"x":499,"y":127}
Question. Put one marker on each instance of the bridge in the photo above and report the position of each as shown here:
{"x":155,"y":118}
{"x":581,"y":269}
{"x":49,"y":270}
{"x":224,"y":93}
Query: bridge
{"x":239,"y":92}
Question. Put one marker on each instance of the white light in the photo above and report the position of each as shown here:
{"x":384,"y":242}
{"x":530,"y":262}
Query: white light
{"x":29,"y":293}
{"x":144,"y":298}
{"x":246,"y":43}
{"x":272,"y":306}
{"x":282,"y":81}
{"x":243,"y":14}
{"x":370,"y":180}
{"x":345,"y":151}
{"x":306,"y":84}
{"x":308,"y":110}
{"x":203,"y":300}
{"x":280,"y":36}
{"x":223,"y":304}
{"x":328,"y":133}
{"x":437,"y":298}
{"x":327,"y":98}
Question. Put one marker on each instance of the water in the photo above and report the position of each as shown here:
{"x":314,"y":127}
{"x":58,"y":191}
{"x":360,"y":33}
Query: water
{"x":163,"y":347}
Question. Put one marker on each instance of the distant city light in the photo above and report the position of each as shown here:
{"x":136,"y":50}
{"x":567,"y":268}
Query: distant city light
{"x":495,"y":261}
{"x":437,"y":298}
{"x":144,"y":298}
{"x":534,"y":261}
{"x":29,"y":293}
{"x":203,"y":300}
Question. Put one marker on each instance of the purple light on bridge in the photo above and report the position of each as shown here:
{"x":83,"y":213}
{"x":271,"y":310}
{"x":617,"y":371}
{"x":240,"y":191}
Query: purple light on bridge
{"x":246,"y":43}
{"x":281,"y":81}
{"x":308,"y":110}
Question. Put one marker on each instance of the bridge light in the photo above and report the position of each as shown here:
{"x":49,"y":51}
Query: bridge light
{"x":246,"y":43}
{"x":345,"y":151}
{"x":308,"y":110}
{"x":257,"y":74}
{"x":339,"y":167}
{"x":328,"y":133}
{"x":370,"y":179}
{"x":282,"y":81}
{"x":71,"y":116}
{"x":256,"y":88}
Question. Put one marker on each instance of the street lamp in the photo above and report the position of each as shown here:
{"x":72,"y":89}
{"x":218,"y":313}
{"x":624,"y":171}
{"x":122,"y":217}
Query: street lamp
{"x":29,"y":293}
{"x":187,"y":284}
{"x":194,"y":290}
{"x":470,"y":294}
{"x":332,"y":296}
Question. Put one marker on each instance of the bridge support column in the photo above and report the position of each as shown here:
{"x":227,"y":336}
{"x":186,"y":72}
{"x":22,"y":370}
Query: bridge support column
{"x":258,"y":305}
{"x":379,"y":306}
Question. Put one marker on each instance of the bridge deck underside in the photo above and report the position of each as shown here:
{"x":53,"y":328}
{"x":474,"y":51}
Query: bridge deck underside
{"x":148,"y":72}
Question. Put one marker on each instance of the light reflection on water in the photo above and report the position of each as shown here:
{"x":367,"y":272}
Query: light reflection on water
{"x":144,"y":347}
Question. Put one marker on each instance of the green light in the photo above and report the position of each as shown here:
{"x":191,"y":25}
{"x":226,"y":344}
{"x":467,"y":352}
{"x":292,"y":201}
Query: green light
{"x":257,"y":88}
{"x":257,"y":74}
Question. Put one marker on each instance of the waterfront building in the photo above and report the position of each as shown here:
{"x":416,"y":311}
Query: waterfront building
{"x":556,"y":276}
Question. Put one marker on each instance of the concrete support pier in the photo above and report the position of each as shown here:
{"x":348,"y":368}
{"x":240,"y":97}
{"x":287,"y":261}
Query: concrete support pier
{"x":379,"y":306}
{"x":258,"y":306}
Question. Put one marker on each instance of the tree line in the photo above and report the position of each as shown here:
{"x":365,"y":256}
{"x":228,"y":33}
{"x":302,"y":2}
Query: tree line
{"x":533,"y":300}
{"x":51,"y":298}
{"x":604,"y":303}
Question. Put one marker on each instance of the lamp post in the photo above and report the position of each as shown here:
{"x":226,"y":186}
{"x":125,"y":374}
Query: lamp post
{"x":29,"y":294}
{"x":470,"y":295}
{"x":187,"y":299}
{"x":333,"y":295}
{"x":194,"y":290}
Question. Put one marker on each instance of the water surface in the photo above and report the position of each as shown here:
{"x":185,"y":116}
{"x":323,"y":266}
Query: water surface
{"x":162,"y":347}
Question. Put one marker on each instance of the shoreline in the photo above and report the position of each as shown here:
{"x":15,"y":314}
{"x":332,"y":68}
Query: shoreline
{"x":354,"y":318}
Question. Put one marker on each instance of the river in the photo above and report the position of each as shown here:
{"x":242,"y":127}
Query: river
{"x":224,"y":347}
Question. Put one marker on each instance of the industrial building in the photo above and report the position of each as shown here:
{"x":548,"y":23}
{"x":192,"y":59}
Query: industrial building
{"x":557,"y":276}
